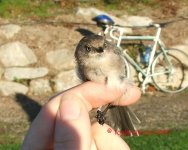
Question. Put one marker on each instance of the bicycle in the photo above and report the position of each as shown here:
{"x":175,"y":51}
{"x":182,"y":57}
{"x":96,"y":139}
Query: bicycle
{"x":164,"y":70}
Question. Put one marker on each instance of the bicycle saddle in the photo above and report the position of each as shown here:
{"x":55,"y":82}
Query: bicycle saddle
{"x":103,"y":20}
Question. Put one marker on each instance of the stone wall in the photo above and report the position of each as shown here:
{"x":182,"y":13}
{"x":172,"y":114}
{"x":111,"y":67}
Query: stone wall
{"x":39,"y":59}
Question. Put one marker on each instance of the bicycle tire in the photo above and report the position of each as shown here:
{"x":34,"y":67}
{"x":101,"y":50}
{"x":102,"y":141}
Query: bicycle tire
{"x":127,"y":68}
{"x":175,"y":81}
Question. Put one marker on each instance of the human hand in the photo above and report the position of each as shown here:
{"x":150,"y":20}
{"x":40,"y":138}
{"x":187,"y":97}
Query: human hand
{"x":63,"y":123}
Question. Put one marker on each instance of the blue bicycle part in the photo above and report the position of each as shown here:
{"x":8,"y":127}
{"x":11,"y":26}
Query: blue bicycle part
{"x":103,"y":20}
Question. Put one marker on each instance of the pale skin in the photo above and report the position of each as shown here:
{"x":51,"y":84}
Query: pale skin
{"x":63,"y":123}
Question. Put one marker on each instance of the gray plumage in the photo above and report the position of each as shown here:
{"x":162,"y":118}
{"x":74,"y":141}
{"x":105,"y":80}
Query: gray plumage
{"x":100,"y":61}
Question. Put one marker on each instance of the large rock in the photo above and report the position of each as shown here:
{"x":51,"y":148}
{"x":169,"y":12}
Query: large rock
{"x":65,"y":80}
{"x":8,"y":88}
{"x":137,"y":20}
{"x":40,"y":87}
{"x":9,"y":30}
{"x":186,"y":42}
{"x":61,"y":59}
{"x":25,"y":73}
{"x":89,"y":13}
{"x":184,"y":48}
{"x":16,"y":54}
{"x":180,"y":56}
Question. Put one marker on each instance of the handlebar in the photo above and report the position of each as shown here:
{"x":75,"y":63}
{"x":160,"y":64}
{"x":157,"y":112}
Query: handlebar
{"x":156,"y":25}
{"x":122,"y":29}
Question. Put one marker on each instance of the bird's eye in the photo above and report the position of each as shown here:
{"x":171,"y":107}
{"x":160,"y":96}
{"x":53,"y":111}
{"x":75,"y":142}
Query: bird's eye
{"x":88,"y":48}
{"x":105,"y":45}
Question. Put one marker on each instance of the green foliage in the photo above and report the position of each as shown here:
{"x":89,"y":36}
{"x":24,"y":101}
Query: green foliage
{"x":112,"y":1}
{"x":117,"y":2}
{"x":48,"y":8}
{"x":43,"y":9}
{"x":17,"y":80}
{"x":22,"y":81}
{"x":20,"y":8}
{"x":174,"y":140}
{"x":143,"y":1}
{"x":128,"y":5}
{"x":10,"y":7}
{"x":10,"y":147}
{"x":9,"y":141}
{"x":14,"y":146}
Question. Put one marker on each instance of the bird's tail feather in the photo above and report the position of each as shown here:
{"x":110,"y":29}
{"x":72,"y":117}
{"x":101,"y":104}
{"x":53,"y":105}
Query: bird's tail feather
{"x":122,"y":119}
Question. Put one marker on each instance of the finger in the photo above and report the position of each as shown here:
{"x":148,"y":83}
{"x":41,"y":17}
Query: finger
{"x":72,"y":130}
{"x":105,"y":138}
{"x":130,"y":96}
{"x":95,"y":95}
{"x":40,"y":134}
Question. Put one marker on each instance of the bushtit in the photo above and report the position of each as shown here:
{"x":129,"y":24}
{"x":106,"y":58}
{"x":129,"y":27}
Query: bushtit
{"x":101,"y":61}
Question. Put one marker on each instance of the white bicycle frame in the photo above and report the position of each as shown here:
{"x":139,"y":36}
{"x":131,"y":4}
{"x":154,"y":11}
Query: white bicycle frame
{"x":156,"y":39}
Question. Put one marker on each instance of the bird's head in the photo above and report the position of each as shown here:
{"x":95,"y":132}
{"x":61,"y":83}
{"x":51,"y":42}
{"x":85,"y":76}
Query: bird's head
{"x":93,"y":46}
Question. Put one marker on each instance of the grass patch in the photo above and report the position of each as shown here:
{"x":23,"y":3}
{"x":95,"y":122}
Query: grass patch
{"x":9,"y":142}
{"x":44,"y":9}
{"x":11,"y":134}
{"x":47,"y":8}
{"x":174,"y":140}
{"x":14,"y":146}
{"x":27,"y":8}
{"x":10,"y":7}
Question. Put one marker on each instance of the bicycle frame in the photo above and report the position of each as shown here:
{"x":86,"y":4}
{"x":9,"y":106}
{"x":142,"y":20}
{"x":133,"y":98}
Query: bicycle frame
{"x":156,"y":39}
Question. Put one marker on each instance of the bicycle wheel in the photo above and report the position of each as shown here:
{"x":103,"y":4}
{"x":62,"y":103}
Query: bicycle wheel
{"x":127,"y":68}
{"x":130,"y":71}
{"x":169,"y":71}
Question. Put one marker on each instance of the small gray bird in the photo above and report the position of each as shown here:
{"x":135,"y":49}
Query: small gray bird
{"x":101,"y":61}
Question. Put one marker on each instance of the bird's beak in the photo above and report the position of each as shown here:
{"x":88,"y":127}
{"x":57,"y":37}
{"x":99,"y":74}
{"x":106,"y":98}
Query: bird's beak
{"x":100,"y":50}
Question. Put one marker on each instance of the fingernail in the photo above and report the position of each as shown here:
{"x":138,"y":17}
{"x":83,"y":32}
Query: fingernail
{"x":70,"y":110}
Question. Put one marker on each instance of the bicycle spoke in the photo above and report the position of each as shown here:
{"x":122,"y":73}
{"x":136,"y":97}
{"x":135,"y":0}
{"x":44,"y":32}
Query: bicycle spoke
{"x":169,"y":73}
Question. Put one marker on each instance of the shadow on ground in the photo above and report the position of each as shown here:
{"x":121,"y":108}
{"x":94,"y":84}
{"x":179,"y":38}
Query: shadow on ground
{"x":84,"y":32}
{"x":30,"y":106}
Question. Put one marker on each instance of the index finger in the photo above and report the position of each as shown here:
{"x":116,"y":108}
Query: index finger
{"x":95,"y":95}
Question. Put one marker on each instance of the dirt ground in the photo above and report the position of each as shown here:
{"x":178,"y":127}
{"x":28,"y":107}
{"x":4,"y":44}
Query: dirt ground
{"x":162,"y":111}
{"x":156,"y":110}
